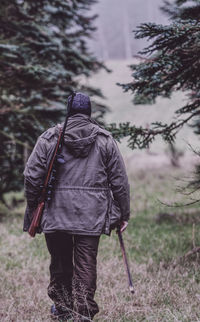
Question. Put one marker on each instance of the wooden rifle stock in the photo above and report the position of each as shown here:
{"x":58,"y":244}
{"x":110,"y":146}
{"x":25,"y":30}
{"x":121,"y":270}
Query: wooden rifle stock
{"x":37,"y":215}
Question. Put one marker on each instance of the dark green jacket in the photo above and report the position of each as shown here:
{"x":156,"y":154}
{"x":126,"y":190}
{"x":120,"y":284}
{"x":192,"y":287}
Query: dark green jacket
{"x":91,"y":186}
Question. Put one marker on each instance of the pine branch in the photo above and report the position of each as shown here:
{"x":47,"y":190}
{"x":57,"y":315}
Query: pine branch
{"x":142,"y":137}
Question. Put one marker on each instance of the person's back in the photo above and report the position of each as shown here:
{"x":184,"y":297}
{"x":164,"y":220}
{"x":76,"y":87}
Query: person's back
{"x":91,"y":189}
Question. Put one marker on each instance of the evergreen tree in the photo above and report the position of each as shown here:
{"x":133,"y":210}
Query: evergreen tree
{"x":171,"y":63}
{"x":43,"y":53}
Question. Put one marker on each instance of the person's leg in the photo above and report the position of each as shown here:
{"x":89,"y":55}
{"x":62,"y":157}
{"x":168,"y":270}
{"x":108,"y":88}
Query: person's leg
{"x":60,"y":246}
{"x":85,"y":275}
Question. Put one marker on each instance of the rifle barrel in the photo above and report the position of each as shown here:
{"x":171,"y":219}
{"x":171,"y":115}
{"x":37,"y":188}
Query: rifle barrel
{"x":37,"y":213}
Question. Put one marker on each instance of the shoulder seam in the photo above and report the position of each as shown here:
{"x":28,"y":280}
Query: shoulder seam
{"x":104,"y":132}
{"x":48,"y":134}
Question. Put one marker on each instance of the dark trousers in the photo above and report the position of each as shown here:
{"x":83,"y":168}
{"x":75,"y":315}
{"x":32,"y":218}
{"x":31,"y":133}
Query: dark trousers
{"x":73,"y":272}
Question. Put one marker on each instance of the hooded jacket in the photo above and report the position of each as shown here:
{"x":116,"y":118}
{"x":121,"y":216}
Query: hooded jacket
{"x":91,"y":186}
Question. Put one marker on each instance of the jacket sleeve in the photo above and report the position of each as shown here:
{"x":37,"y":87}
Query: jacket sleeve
{"x":118,"y":179}
{"x":34,"y":172}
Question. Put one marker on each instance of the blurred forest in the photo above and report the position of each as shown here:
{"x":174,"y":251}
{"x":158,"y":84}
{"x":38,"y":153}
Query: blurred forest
{"x":48,"y":48}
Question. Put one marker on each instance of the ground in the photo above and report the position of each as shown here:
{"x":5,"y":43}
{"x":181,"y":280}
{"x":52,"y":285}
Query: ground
{"x":158,"y":240}
{"x":166,"y":277}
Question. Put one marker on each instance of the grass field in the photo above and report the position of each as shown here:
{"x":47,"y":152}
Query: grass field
{"x":158,"y":239}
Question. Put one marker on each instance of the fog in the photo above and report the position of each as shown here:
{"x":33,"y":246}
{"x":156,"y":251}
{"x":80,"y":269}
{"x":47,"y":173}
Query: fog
{"x":114,"y":38}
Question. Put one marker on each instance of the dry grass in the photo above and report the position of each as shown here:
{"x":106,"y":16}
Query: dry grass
{"x":166,"y":286}
{"x":24,"y":277}
{"x":160,"y":294}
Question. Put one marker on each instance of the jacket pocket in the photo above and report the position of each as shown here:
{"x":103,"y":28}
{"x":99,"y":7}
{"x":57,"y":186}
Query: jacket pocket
{"x":115,"y":214}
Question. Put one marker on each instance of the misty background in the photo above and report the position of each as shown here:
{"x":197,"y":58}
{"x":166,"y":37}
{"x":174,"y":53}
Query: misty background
{"x":114,"y":38}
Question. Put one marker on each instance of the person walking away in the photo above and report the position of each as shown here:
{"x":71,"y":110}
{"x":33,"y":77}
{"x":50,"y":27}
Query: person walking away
{"x":91,"y":195}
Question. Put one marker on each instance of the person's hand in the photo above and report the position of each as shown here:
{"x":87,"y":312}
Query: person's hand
{"x":123,"y":225}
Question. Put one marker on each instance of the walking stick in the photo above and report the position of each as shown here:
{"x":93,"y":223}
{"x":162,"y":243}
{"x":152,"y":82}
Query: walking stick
{"x":121,"y":241}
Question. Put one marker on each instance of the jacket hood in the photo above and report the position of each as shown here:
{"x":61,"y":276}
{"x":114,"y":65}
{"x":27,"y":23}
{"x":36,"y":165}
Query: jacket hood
{"x":80,"y":134}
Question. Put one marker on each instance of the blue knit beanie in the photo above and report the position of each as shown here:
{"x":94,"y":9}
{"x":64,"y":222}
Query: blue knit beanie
{"x":81,"y":104}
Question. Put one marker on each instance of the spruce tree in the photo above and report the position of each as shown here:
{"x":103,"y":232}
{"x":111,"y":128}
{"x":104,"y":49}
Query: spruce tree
{"x":43,"y":54}
{"x":170,"y":63}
